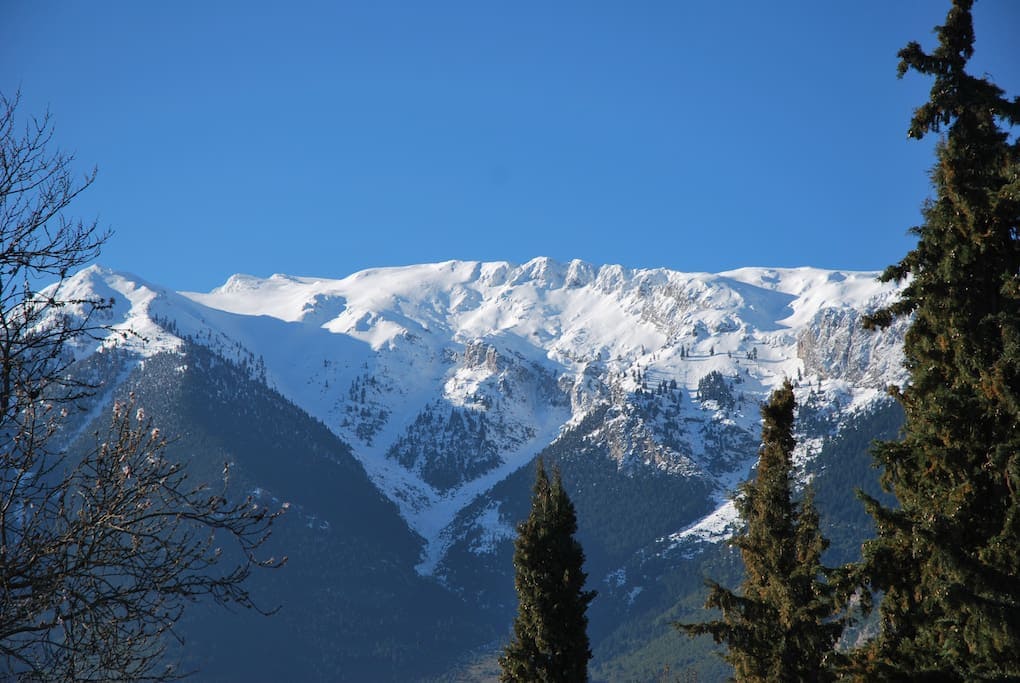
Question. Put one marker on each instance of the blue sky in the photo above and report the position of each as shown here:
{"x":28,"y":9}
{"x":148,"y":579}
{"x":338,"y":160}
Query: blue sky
{"x":321,"y":138}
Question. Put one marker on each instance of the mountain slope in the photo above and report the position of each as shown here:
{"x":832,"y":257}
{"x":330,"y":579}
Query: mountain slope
{"x":445,"y":378}
{"x":351,"y":605}
{"x":442,"y":382}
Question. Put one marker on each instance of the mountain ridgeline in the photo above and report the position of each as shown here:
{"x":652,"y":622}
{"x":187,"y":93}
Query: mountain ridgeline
{"x":398,"y":412}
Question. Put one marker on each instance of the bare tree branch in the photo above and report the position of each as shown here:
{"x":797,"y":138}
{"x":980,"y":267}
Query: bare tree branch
{"x":101,"y":551}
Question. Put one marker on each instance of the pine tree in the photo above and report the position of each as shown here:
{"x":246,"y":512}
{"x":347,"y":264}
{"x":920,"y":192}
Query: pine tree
{"x":947,"y":557}
{"x":550,"y":632}
{"x":778,"y":627}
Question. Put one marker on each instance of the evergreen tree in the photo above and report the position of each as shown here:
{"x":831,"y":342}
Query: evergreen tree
{"x":777,"y":628}
{"x":550,"y":632}
{"x":947,"y":557}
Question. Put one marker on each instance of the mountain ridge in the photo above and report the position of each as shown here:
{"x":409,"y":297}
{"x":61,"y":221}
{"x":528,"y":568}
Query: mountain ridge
{"x":445,"y":378}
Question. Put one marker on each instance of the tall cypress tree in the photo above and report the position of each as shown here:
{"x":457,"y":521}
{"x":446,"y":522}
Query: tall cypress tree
{"x":778,"y":627}
{"x":947,"y":557}
{"x":550,"y":632}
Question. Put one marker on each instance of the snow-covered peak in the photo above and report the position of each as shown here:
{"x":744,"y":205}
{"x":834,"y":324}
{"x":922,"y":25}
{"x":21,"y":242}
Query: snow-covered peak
{"x":572,"y":317}
{"x":566,"y":315}
{"x":124,"y":309}
{"x":446,"y":377}
{"x":472,"y":299}
{"x":816,"y":289}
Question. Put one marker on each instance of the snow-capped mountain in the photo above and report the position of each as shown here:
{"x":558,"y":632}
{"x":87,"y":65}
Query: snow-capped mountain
{"x":443,"y":382}
{"x":445,"y":378}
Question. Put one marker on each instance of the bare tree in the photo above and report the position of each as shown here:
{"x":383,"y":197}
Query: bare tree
{"x":39,"y":244}
{"x":104,"y":556}
{"x":100,"y":551}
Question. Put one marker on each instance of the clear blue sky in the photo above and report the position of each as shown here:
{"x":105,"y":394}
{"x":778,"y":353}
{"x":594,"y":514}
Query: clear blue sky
{"x":320,"y":138}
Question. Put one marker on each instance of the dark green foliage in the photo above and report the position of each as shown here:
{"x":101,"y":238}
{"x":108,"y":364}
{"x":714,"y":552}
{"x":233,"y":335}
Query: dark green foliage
{"x":620,"y":513}
{"x":714,"y":387}
{"x":845,"y":465}
{"x":550,"y":632}
{"x":644,"y":641}
{"x":778,"y":627}
{"x":946,"y":558}
{"x":450,"y":445}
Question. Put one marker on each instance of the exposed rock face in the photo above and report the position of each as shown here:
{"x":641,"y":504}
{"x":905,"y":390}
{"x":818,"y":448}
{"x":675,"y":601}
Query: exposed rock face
{"x":835,"y":344}
{"x":479,"y":355}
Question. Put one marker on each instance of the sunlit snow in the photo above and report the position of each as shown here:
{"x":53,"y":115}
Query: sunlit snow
{"x":368,"y":353}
